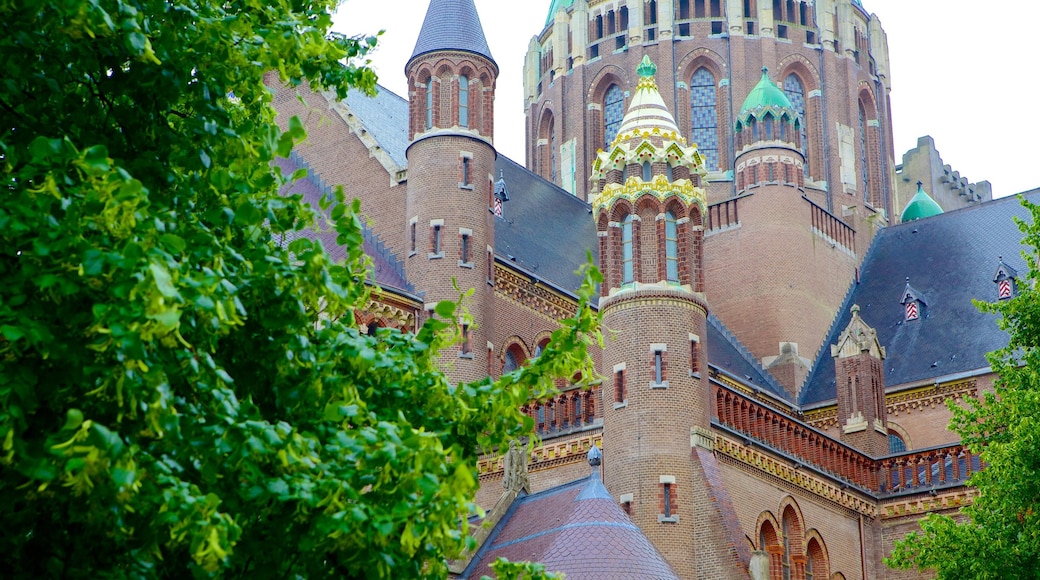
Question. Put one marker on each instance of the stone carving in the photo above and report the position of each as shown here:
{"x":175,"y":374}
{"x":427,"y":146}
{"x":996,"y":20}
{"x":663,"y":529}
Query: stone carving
{"x":515,"y":468}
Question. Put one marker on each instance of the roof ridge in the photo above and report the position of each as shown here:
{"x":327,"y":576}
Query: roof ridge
{"x":746,"y":354}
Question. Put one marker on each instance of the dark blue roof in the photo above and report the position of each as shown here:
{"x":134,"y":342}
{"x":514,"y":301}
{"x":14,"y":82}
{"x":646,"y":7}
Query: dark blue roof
{"x":950,"y":260}
{"x":543,"y":229}
{"x":726,"y":353}
{"x":452,"y":25}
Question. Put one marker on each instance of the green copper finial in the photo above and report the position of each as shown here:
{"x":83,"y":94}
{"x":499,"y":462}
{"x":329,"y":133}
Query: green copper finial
{"x":646,"y":68}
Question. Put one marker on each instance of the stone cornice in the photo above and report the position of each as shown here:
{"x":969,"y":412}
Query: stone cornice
{"x":953,"y":499}
{"x":904,"y":402}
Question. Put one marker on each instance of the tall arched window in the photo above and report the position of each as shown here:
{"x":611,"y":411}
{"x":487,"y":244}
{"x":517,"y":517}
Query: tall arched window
{"x":626,"y":250}
{"x":463,"y":101}
{"x":553,"y":163}
{"x":429,"y":103}
{"x":786,"y":561}
{"x":795,"y":92}
{"x":864,"y":168}
{"x":613,"y":113}
{"x":704,"y":117}
{"x":671,"y":247}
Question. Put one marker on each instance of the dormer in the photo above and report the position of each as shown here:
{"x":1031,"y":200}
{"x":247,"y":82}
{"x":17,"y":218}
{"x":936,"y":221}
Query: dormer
{"x":1006,"y":279}
{"x":913,"y":303}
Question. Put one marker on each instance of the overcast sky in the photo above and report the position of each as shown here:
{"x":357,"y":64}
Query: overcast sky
{"x":962,"y":72}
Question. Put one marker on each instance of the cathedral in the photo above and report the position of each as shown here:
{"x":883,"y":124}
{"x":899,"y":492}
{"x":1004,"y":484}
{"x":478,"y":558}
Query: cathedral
{"x":786,"y":309}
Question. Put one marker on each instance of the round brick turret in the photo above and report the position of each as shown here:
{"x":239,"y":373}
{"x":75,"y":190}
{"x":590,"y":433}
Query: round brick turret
{"x":451,"y":159}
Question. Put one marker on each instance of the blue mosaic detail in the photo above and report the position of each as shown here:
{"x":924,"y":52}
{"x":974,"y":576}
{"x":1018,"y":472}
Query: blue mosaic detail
{"x":703,"y":117}
{"x":796,"y":94}
{"x":613,"y":113}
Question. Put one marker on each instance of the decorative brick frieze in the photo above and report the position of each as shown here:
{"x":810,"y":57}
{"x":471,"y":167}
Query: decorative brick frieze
{"x":539,"y":298}
{"x":761,"y":463}
{"x":550,"y":454}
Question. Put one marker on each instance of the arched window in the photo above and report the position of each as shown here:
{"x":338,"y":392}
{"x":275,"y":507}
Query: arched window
{"x":553,"y":163}
{"x":510,"y":363}
{"x":613,"y":113}
{"x":671,"y":247}
{"x":864,"y":168}
{"x":786,"y":561}
{"x":540,"y":347}
{"x":895,"y":443}
{"x":626,"y":250}
{"x":795,"y":92}
{"x":429,"y":103}
{"x":463,"y":101}
{"x":647,"y":173}
{"x":703,"y":116}
{"x":769,"y":127}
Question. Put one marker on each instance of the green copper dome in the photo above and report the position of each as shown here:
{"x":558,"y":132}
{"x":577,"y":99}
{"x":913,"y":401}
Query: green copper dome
{"x":765,"y":95}
{"x":921,"y":206}
{"x":555,"y":7}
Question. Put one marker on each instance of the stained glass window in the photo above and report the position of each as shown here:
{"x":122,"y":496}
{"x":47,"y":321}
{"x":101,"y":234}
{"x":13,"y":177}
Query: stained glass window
{"x":429,"y":104}
{"x":864,"y":170}
{"x":463,"y":101}
{"x":703,"y":117}
{"x":895,"y":443}
{"x":626,"y":250}
{"x":671,"y":247}
{"x":613,"y":113}
{"x":552,"y":152}
{"x":796,"y":94}
{"x":510,"y":363}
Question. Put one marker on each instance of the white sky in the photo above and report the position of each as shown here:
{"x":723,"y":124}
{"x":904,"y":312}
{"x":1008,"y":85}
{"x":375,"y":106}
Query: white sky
{"x":963,"y":72}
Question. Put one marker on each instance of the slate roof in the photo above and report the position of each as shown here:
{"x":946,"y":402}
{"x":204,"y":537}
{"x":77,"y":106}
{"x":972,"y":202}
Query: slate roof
{"x":577,"y":529}
{"x":726,"y":353}
{"x":452,"y":25}
{"x":389,"y":271}
{"x":950,"y":259}
{"x":385,"y":116}
{"x":543,"y":229}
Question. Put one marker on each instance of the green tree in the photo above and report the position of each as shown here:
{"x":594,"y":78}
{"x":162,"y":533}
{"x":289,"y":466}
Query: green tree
{"x":179,"y":393}
{"x":998,"y":535}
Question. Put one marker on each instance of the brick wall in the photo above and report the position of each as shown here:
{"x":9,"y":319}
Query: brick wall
{"x":339,"y":157}
{"x":646,"y":437}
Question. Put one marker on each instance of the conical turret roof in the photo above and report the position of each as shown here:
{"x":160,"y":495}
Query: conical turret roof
{"x":647,"y":112}
{"x":452,"y":25}
{"x":921,"y":206}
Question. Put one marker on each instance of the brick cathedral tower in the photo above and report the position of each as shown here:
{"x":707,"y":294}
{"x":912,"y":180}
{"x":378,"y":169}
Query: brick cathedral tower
{"x":649,"y":205}
{"x":780,"y":275}
{"x":451,"y":160}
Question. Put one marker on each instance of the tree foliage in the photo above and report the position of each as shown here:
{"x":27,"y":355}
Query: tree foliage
{"x":998,"y":536}
{"x":179,"y":393}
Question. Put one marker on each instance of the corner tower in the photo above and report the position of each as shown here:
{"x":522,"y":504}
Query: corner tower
{"x":451,"y":160}
{"x":649,"y":204}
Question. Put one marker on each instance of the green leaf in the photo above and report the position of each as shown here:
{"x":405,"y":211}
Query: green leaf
{"x":173,"y":243}
{"x":163,"y":282}
{"x":96,"y":159}
{"x":11,"y":333}
{"x":445,"y":309}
